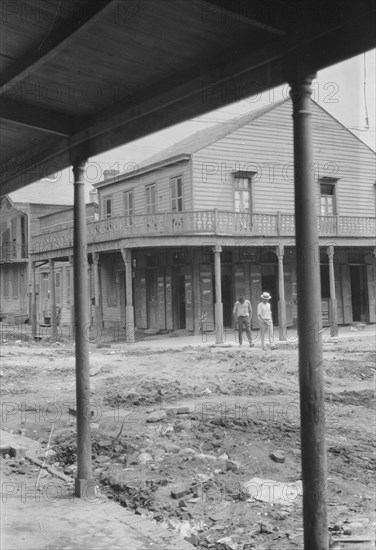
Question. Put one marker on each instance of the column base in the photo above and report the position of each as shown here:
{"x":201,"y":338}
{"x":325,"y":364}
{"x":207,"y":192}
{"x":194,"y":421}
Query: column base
{"x":219,"y":334}
{"x":86,"y":488}
{"x":282,"y":321}
{"x":333,"y":318}
{"x":129,"y":324}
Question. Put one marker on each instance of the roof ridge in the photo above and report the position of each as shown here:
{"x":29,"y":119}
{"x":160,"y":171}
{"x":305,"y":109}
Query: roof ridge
{"x":197,"y":141}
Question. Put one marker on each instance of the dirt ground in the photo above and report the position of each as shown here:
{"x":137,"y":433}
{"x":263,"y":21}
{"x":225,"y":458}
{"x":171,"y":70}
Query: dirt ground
{"x":177,"y":433}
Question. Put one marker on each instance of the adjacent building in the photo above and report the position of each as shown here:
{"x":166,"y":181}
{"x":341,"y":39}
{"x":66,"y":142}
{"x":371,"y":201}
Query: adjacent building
{"x":181,"y":236}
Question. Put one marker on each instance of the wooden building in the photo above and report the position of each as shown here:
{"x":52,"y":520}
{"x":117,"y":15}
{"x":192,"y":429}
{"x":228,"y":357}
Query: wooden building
{"x":224,"y":197}
{"x":40,"y":207}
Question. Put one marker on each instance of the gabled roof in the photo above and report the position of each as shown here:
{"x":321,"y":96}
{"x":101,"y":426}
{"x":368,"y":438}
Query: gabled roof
{"x":207,"y":136}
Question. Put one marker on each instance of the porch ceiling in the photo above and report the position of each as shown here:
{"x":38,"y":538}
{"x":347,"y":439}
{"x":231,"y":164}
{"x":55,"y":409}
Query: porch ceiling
{"x":81,"y":77}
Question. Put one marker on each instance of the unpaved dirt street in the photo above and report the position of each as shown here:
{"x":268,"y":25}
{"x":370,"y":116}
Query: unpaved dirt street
{"x":178,"y":432}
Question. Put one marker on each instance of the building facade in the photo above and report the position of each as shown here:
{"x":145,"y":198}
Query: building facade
{"x":179,"y":238}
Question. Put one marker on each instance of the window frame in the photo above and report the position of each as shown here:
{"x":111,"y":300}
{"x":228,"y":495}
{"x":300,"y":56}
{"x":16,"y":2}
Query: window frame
{"x":107,"y":200}
{"x":328,"y":182}
{"x":174,"y":190}
{"x":237,"y":177}
{"x":128,"y":212}
{"x":151,"y":207}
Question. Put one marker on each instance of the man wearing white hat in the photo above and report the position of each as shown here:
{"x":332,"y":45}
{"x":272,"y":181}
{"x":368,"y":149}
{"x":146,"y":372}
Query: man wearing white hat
{"x":264,"y":315}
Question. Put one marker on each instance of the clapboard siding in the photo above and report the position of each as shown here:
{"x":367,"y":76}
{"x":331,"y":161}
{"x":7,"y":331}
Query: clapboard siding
{"x":161,"y":178}
{"x":265,"y":146}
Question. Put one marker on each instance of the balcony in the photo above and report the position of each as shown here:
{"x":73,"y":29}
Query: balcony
{"x":13,"y":252}
{"x":203,"y":222}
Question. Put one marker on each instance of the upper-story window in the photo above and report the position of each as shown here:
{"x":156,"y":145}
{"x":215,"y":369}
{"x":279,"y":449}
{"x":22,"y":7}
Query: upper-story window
{"x":107,"y":207}
{"x":327,"y":197}
{"x":243,"y":191}
{"x":151,"y":204}
{"x":128,"y":203}
{"x":176,"y":185}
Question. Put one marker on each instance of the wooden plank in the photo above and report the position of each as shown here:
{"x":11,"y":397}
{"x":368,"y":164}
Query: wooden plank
{"x":32,"y":116}
{"x":54,"y":43}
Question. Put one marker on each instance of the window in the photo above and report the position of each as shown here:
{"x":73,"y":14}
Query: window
{"x":176,"y":186}
{"x":128,"y":203}
{"x":243,"y":191}
{"x":107,"y":207}
{"x":151,"y":206}
{"x":327,"y":198}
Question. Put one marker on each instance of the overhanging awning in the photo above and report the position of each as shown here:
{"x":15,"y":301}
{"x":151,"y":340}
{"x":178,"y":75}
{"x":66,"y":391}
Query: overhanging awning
{"x":81,"y":77}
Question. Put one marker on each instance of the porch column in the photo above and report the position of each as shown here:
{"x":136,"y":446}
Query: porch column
{"x":218,"y":308}
{"x":129,"y":309}
{"x":282,"y":328}
{"x":53,"y":299}
{"x":71,"y":272}
{"x":97,"y":292}
{"x":84,"y":484}
{"x":333,"y":314}
{"x":309,"y":321}
{"x":34,"y":300}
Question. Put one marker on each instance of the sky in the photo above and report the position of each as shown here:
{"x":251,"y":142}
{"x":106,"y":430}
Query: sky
{"x":338,"y":89}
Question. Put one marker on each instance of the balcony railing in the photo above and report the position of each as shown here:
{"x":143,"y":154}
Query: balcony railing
{"x":213,"y":222}
{"x":13,"y":252}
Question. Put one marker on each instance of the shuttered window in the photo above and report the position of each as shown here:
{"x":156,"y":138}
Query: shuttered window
{"x":151,"y":206}
{"x":107,"y":207}
{"x":176,"y":186}
{"x":128,"y":203}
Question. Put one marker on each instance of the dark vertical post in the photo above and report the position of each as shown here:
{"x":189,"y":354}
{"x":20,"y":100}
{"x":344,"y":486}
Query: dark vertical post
{"x":218,"y":308}
{"x":282,"y":322}
{"x":333,"y":315}
{"x":309,"y":323}
{"x":97,"y":293}
{"x":34,"y":301}
{"x":71,"y":331}
{"x":53,"y":300}
{"x":84,"y":484}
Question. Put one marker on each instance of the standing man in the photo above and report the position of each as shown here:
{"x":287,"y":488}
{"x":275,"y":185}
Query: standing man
{"x":243,"y":313}
{"x":264,"y":315}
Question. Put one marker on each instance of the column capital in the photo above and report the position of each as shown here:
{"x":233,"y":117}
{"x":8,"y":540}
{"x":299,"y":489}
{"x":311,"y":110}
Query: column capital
{"x":127,"y":255}
{"x":330,"y":252}
{"x":280,"y":250}
{"x":217,"y":248}
{"x":78,"y":169}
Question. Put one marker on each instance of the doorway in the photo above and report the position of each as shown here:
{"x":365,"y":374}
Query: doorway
{"x":227,"y":295}
{"x":178,"y":299}
{"x":269,"y":284}
{"x":152,"y":298}
{"x":358,"y":293}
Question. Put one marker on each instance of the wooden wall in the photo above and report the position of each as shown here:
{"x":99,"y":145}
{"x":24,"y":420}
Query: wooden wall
{"x":265,"y":146}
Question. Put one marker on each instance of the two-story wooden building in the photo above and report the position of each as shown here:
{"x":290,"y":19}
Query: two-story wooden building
{"x":211,"y":217}
{"x":24,"y":213}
